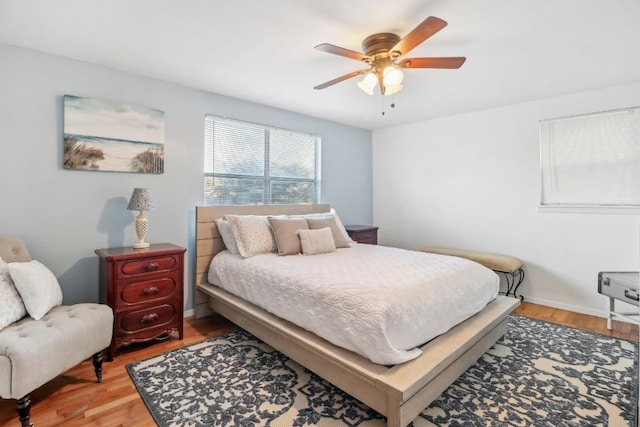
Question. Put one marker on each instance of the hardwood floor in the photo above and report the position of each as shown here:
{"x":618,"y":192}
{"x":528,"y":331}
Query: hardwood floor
{"x":622,"y":330}
{"x":75,"y":398}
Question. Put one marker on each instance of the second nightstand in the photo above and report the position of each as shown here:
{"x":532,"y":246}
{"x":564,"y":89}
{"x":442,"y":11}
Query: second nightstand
{"x":144,"y":287}
{"x":363,"y":233}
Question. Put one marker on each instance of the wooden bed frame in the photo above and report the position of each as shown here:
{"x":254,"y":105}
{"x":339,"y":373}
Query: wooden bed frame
{"x":399,"y":392}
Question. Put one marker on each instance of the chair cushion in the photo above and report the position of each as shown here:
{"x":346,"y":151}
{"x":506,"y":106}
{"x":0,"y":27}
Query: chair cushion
{"x":33,"y":352}
{"x":496,"y":262}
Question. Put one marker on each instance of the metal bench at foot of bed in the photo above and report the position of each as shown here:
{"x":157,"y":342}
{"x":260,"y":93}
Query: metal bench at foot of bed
{"x":508,"y":265}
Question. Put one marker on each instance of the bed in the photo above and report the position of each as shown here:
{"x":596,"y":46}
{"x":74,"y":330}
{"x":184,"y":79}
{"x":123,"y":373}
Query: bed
{"x":399,"y":392}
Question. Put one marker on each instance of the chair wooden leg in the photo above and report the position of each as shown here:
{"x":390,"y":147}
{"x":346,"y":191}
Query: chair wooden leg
{"x":23,"y":406}
{"x":97,"y":364}
{"x":24,"y":410}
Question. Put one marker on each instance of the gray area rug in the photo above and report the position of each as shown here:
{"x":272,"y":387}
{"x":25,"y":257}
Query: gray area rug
{"x":540,"y":375}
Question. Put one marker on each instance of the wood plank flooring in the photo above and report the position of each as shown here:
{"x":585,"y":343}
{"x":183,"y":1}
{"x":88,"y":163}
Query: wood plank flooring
{"x":75,"y":398}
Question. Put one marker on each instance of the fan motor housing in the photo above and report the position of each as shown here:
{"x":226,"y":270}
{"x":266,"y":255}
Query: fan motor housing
{"x":379,"y":43}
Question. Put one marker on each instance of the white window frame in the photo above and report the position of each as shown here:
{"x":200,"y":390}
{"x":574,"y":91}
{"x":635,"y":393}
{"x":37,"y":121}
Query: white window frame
{"x":267,"y":178}
{"x":613,"y":133}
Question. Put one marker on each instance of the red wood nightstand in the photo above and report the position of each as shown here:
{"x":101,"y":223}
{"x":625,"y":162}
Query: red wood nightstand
{"x":363,"y":233}
{"x":144,"y":287}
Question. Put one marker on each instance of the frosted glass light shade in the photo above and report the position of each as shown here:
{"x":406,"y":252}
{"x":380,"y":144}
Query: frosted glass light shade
{"x":392,"y":76}
{"x":368,"y":83}
{"x":390,"y":90}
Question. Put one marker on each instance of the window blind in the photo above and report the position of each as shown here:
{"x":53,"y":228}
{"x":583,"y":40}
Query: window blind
{"x":249,"y":163}
{"x":591,"y":160}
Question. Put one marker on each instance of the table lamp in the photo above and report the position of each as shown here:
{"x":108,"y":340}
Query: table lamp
{"x":141,"y":201}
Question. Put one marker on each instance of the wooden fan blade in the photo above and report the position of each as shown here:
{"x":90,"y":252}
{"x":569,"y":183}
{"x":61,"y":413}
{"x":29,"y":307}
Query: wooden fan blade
{"x":426,"y":29}
{"x":337,"y":50}
{"x":339,"y":79}
{"x":444,"y":62}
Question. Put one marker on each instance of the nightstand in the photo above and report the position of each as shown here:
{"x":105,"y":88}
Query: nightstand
{"x":144,"y":287}
{"x":363,"y":233}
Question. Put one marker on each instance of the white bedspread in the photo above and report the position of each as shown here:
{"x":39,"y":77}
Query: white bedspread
{"x":378,"y":301}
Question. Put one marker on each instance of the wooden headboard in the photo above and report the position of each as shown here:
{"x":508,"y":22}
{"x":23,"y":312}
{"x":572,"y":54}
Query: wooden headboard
{"x":209,"y":242}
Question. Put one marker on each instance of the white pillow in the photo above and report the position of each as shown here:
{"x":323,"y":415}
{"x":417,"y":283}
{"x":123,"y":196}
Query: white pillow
{"x":38,"y":287}
{"x":224,"y":228}
{"x":253,"y":234}
{"x":11,"y":305}
{"x":343,"y":230}
{"x":314,"y":242}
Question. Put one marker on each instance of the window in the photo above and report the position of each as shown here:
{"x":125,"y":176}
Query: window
{"x":248,"y":163}
{"x":591,"y":161}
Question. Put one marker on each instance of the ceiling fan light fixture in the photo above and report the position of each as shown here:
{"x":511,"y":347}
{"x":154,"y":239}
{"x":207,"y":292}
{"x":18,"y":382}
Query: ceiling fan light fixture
{"x":390,"y":90}
{"x":392,"y":76}
{"x":368,"y":83}
{"x":381,"y":53}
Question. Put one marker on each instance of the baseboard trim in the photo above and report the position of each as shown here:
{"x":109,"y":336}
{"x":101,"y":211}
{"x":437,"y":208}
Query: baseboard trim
{"x":569,"y":307}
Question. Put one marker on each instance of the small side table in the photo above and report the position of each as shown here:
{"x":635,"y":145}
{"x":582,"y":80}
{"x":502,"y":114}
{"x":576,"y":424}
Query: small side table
{"x":363,"y":233}
{"x":144,"y":287}
{"x":621,"y":286}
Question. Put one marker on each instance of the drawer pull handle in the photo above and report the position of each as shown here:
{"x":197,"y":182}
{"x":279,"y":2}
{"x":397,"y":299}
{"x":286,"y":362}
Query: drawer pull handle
{"x":631,"y":294}
{"x":149,"y":318}
{"x":150,"y":290}
{"x":152,"y":266}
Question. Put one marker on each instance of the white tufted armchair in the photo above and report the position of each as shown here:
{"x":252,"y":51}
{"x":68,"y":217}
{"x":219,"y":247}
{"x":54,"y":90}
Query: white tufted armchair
{"x":33,"y":352}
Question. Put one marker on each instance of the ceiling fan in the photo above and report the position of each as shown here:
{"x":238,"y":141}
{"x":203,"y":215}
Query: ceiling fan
{"x":382,"y":52}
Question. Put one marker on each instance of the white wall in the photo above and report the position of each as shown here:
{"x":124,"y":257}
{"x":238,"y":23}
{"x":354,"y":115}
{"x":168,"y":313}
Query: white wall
{"x":472,"y":181}
{"x":65,"y":215}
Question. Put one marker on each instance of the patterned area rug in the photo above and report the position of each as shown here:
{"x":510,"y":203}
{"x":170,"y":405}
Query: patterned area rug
{"x":540,"y":375}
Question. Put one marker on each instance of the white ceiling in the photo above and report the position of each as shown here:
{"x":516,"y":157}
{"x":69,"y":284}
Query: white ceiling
{"x":263,"y":51}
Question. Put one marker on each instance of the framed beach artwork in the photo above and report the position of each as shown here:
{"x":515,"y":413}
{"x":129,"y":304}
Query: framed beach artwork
{"x":107,"y":136}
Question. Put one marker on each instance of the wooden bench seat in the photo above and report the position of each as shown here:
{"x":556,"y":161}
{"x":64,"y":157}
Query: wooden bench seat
{"x":508,"y":265}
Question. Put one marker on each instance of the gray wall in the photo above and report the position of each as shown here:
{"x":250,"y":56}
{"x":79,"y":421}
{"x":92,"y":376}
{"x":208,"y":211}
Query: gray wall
{"x":65,"y":215}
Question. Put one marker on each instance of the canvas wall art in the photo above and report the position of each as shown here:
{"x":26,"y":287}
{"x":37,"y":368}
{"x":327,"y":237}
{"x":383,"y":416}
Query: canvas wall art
{"x":107,"y":136}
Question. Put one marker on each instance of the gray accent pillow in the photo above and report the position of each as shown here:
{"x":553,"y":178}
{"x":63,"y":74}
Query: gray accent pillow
{"x":330,"y":222}
{"x":284,"y":230}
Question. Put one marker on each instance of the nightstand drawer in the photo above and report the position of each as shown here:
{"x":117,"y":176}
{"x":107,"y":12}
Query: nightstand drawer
{"x":147,"y":318}
{"x":125,"y":269}
{"x":363,"y":233}
{"x":137,"y":292}
{"x":369,"y":237}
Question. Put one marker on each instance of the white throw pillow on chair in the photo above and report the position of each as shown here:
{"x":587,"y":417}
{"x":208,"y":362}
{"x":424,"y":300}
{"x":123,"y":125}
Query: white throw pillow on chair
{"x":38,"y":287}
{"x":11,"y":305}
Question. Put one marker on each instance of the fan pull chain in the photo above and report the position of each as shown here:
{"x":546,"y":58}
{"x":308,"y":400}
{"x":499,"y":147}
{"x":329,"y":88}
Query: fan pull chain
{"x":393,"y":103}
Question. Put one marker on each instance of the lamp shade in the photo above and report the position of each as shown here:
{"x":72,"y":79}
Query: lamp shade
{"x":140,"y":200}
